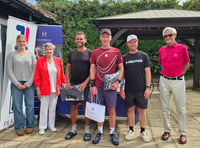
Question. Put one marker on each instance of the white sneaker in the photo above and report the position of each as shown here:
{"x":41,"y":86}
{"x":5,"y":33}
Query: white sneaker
{"x":53,"y":129}
{"x":144,"y":136}
{"x":130,"y":135}
{"x":42,"y":131}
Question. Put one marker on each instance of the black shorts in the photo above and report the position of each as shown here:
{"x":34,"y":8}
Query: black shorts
{"x":86,"y":97}
{"x":136,"y":99}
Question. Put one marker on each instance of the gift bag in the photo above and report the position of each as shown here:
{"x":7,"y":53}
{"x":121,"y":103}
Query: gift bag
{"x":95,"y":111}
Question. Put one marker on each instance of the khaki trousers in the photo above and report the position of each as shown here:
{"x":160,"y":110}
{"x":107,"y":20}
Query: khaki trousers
{"x":177,"y":89}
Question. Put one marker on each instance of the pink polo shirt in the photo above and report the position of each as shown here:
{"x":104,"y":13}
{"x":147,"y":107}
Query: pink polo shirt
{"x":172,"y":59}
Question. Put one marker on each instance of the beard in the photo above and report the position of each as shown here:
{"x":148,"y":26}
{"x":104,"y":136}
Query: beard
{"x":80,"y":45}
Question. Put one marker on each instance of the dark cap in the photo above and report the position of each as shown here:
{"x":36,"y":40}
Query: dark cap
{"x":105,"y":31}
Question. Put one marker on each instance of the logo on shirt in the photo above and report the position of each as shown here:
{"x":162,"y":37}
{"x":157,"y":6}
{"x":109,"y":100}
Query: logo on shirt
{"x":134,"y":61}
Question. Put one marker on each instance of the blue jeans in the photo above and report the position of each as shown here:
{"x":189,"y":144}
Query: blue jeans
{"x":17,"y":96}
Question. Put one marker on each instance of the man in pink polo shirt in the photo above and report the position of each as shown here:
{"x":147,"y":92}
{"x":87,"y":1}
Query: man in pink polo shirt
{"x":174,"y":60}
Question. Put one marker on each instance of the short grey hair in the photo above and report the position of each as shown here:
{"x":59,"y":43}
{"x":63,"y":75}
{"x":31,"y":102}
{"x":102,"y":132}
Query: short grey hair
{"x":49,"y":44}
{"x":169,"y":28}
{"x":37,"y":48}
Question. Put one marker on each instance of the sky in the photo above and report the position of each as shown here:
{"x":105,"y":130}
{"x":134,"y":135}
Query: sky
{"x":32,"y":1}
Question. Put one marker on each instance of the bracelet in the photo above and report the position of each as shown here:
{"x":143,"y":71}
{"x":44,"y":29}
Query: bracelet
{"x":148,"y":86}
{"x":92,"y":83}
{"x":118,"y":80}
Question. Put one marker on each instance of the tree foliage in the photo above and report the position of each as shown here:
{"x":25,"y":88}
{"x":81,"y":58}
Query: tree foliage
{"x":192,"y":5}
{"x":76,"y":15}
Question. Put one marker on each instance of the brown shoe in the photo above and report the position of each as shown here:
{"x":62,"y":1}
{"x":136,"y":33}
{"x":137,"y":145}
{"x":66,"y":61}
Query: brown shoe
{"x":182,"y":139}
{"x":165,"y":136}
{"x":20,"y":132}
{"x":29,"y":131}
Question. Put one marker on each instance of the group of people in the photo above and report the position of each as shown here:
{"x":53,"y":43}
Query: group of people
{"x":87,"y":68}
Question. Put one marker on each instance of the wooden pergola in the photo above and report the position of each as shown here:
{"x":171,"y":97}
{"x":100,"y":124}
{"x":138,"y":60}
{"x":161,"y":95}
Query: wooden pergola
{"x":148,"y":25}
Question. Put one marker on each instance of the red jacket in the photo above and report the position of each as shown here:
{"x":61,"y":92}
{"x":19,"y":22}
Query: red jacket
{"x":42,"y":78}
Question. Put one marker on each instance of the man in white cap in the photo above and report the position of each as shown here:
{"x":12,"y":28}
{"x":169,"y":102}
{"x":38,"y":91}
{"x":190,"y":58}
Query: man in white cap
{"x":137,"y":75}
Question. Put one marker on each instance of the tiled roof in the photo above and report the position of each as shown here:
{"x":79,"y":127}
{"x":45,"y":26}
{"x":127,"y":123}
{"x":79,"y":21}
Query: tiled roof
{"x":42,"y":11}
{"x":155,"y":14}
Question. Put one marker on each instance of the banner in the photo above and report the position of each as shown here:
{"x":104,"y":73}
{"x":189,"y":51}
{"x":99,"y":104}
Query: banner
{"x":52,"y":34}
{"x":15,"y":26}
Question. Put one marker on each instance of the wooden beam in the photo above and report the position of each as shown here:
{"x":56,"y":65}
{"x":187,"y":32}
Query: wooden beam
{"x":122,"y":42}
{"x":151,"y":23}
{"x":117,"y":35}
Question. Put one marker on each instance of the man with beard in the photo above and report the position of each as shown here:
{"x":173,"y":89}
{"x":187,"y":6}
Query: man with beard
{"x":77,"y":73}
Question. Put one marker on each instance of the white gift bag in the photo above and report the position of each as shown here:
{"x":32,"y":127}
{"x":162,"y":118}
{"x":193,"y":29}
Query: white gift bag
{"x":95,"y":111}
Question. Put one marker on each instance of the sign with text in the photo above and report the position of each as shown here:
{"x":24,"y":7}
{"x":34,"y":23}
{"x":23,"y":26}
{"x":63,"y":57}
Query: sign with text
{"x":15,"y":27}
{"x":52,"y":34}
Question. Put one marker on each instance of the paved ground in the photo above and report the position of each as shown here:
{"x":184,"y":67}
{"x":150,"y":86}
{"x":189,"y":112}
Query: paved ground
{"x":8,"y":138}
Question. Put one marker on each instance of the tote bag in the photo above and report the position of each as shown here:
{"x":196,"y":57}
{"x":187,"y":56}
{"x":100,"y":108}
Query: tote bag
{"x":95,"y":111}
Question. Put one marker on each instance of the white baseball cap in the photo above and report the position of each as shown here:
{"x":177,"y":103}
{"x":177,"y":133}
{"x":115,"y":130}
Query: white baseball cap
{"x":131,"y":37}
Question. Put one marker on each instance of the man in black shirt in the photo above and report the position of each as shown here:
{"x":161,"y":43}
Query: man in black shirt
{"x":77,"y":73}
{"x":137,"y":76}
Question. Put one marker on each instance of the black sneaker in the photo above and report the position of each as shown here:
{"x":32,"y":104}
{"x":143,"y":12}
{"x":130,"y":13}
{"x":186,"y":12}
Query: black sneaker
{"x":114,"y":139}
{"x":70,"y":135}
{"x":87,"y":137}
{"x":98,"y":137}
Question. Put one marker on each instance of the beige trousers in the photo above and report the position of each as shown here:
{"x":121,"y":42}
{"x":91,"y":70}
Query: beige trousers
{"x":177,"y":89}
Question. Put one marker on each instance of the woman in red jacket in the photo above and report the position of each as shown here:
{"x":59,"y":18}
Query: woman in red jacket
{"x":48,"y":77}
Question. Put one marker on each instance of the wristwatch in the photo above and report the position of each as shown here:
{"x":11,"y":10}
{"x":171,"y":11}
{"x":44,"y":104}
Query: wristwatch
{"x":148,"y":86}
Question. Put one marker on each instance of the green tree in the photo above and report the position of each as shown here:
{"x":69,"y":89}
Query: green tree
{"x":76,"y":15}
{"x":192,"y":5}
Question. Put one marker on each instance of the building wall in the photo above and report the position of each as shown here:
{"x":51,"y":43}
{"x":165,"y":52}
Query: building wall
{"x":3,"y":23}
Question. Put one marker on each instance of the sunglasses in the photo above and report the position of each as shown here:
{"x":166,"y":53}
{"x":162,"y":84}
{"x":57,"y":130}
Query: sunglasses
{"x":168,"y":35}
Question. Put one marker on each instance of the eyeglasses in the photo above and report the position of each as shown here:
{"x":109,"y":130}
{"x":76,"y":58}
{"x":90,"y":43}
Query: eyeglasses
{"x":168,"y":35}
